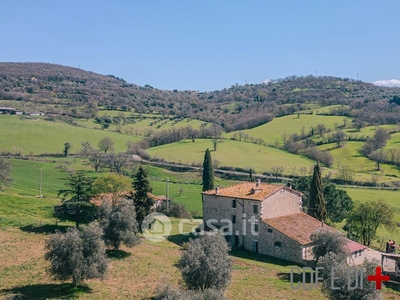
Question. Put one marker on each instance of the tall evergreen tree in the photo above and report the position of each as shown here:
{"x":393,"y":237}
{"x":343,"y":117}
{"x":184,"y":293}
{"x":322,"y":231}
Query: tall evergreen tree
{"x":208,"y":172}
{"x":251,"y":176}
{"x":317,"y":207}
{"x":141,"y":199}
{"x":78,"y":208}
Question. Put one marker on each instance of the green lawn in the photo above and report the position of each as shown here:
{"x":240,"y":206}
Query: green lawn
{"x":232,"y":153}
{"x":26,"y":210}
{"x":349,"y":155}
{"x":41,"y":136}
{"x":274,"y":130}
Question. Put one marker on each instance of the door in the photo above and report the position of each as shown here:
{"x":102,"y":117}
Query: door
{"x":236,"y":241}
{"x":255,"y":246}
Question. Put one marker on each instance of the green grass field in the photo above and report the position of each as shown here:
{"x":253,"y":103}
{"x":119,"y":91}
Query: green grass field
{"x":42,"y":136}
{"x":349,"y":155}
{"x":274,"y":130}
{"x":184,"y":187}
{"x":232,"y":153}
{"x":153,"y":123}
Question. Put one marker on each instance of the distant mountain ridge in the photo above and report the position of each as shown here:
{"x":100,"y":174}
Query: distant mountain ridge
{"x":237,"y":107}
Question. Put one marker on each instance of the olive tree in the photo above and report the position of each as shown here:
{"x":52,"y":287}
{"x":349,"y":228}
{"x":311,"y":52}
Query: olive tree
{"x":206,"y":264}
{"x":343,"y":277}
{"x":326,"y":241}
{"x":169,"y":292}
{"x":77,"y":254}
{"x":119,"y":223}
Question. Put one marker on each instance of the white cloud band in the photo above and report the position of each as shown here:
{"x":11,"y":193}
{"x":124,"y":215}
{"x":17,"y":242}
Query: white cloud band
{"x":390,"y":82}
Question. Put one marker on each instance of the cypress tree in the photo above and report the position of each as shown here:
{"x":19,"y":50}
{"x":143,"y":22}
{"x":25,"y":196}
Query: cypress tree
{"x":251,"y":176}
{"x":317,"y":202}
{"x":208,"y":172}
{"x":141,"y":199}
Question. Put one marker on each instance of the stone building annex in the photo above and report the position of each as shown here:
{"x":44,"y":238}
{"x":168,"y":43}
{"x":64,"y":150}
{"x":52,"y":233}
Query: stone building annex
{"x":279,"y":227}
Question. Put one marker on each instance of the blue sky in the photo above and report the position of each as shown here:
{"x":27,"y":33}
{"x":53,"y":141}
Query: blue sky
{"x":206,"y":45}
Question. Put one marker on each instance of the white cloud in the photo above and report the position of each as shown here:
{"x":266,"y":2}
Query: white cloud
{"x":267,"y":80}
{"x":390,"y":82}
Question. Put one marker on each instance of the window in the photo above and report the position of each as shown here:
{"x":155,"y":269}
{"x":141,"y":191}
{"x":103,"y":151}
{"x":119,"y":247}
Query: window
{"x":255,"y":227}
{"x":255,"y":208}
{"x":269,"y":230}
{"x":233,"y":203}
{"x":233,"y":219}
{"x":278,"y":244}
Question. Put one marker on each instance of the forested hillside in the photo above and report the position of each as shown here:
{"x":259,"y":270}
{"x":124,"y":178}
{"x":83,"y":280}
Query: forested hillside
{"x":78,"y":93}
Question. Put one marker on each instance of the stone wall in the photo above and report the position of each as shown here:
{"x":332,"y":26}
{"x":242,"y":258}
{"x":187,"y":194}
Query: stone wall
{"x":283,"y":202}
{"x":274,"y":243}
{"x":219,"y":211}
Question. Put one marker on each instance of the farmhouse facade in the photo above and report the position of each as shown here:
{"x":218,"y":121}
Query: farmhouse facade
{"x":267,"y":219}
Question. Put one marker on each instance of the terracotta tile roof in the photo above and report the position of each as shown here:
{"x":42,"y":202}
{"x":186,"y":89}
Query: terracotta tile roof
{"x":247,"y":190}
{"x":354,"y":246}
{"x":298,"y":226}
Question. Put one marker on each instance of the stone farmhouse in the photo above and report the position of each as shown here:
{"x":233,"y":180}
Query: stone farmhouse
{"x":267,"y":219}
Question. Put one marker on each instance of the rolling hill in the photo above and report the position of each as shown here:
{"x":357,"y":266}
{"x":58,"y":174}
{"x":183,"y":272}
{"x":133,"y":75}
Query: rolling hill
{"x":79,"y":93}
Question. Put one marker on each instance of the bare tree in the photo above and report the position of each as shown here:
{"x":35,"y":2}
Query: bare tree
{"x":86,"y":148}
{"x":379,"y":157}
{"x":106,"y":144}
{"x":321,"y":129}
{"x":117,"y":162}
{"x":216,"y":141}
{"x":97,"y":159}
{"x":339,"y":136}
{"x":277,"y":170}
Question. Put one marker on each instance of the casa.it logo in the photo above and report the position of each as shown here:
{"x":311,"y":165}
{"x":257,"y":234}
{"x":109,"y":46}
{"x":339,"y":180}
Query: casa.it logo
{"x":352,"y":272}
{"x":156,"y":227}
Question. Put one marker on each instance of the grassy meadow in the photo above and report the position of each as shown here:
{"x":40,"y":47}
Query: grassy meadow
{"x":349,"y":156}
{"x":273,"y":131}
{"x":39,"y":136}
{"x":232,"y":153}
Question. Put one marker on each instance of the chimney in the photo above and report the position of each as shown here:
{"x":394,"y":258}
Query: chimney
{"x":258,"y":183}
{"x":216,"y":190}
{"x":322,"y":223}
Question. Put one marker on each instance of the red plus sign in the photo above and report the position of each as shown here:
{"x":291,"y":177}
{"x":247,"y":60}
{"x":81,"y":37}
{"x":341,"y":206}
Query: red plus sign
{"x":378,"y":278}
